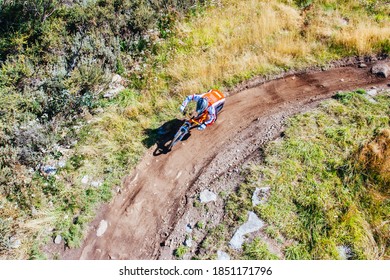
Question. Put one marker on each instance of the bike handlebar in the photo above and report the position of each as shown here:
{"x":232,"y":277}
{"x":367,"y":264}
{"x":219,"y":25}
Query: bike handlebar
{"x":198,"y":123}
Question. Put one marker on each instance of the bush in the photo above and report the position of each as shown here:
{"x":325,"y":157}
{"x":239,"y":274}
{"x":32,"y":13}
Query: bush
{"x":5,"y":235}
{"x":303,"y":3}
{"x":180,"y":251}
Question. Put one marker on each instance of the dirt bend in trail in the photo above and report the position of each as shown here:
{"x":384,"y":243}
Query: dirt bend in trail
{"x":143,"y":214}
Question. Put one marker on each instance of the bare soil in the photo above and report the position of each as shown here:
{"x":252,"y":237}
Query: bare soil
{"x":147,"y":218}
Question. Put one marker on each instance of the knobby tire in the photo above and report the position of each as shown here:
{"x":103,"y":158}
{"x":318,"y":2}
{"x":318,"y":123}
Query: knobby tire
{"x":176,"y":139}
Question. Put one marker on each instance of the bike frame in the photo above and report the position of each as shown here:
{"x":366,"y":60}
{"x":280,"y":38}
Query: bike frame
{"x":185,"y":129}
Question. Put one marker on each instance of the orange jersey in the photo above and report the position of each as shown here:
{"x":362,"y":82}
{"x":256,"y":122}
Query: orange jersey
{"x":214,"y":96}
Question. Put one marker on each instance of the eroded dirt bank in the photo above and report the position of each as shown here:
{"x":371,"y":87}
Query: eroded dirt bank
{"x":142,"y":217}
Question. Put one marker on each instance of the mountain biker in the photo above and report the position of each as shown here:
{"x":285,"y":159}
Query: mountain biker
{"x":208,"y":105}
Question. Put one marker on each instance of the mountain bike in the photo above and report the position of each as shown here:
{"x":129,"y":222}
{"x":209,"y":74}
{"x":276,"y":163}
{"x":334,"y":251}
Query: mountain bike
{"x":184,"y":130}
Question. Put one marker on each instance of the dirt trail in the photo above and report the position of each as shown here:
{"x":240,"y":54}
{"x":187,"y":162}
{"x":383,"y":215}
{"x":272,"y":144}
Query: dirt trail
{"x":143,"y":215}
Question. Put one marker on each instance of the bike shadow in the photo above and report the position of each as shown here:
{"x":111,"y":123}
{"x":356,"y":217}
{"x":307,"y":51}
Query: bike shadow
{"x":162,"y":135}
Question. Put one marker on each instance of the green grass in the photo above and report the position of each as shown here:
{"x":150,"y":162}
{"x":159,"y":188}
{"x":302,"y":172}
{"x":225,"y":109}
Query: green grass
{"x":321,"y":196}
{"x":257,"y":250}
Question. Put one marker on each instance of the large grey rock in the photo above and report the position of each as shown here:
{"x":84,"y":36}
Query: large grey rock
{"x":372,"y":92}
{"x":102,"y":228}
{"x":221,"y":255}
{"x":207,"y":196}
{"x":253,"y":224}
{"x":381,"y":69}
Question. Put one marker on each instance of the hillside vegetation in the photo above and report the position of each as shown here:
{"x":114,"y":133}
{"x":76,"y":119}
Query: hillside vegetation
{"x":64,"y":148}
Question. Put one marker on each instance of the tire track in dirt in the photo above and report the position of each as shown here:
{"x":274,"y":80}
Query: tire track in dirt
{"x":153,"y":198}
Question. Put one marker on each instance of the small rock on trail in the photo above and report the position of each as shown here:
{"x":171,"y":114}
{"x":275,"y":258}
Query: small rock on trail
{"x":102,"y":228}
{"x":207,"y":196}
{"x":381,"y":69}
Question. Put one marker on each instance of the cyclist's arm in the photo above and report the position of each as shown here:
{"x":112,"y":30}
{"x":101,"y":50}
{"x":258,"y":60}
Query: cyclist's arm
{"x":192,"y":97}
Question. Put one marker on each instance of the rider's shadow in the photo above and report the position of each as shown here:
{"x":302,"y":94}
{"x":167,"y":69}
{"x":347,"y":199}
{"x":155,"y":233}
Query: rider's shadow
{"x":161,"y":136}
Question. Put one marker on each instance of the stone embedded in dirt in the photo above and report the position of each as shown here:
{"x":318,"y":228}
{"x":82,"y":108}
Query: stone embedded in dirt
{"x":61,"y":163}
{"x":372,"y":92}
{"x":49,"y":170}
{"x":34,"y":211}
{"x":221,"y":255}
{"x":113,"y":92}
{"x":343,"y":21}
{"x":260,"y":195}
{"x":345,"y":252}
{"x":114,"y":87}
{"x":369,"y":98}
{"x":381,"y":69}
{"x":116,"y":79}
{"x":102,"y":228}
{"x":188,"y":228}
{"x":188,"y":242}
{"x":85,"y":179}
{"x":96,"y":184}
{"x":253,"y":224}
{"x":58,"y":239}
{"x":207,"y":196}
{"x":14,"y":243}
{"x":362,"y":65}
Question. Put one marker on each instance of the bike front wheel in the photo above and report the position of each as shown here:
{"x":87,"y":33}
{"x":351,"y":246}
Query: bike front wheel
{"x":178,"y":136}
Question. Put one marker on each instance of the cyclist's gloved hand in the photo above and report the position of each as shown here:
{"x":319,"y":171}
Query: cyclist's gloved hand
{"x":182,"y":108}
{"x":202,"y":127}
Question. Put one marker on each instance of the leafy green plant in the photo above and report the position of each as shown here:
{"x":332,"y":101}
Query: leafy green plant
{"x":303,"y":3}
{"x":200,"y":225}
{"x":180,"y":251}
{"x":5,"y":235}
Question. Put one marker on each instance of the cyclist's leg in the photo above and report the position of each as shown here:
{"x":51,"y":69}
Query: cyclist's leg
{"x":219,"y":106}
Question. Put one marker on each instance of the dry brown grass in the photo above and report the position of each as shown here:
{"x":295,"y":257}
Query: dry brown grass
{"x":242,"y":39}
{"x":376,"y":155}
{"x":248,"y":36}
{"x":362,"y":36}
